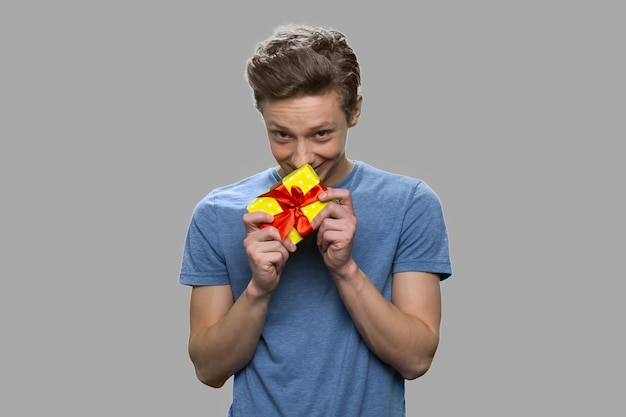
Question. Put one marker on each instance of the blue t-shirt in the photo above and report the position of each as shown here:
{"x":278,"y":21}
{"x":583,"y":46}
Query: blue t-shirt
{"x":310,"y":360}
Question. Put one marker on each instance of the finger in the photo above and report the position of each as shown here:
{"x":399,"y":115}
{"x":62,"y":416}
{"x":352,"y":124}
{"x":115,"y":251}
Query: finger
{"x":340,"y":196}
{"x":332,"y":211}
{"x":253,"y":220}
{"x":288,"y":244}
{"x":278,"y":257}
{"x":335,"y":245}
{"x":266,"y":234}
{"x":333,"y":229}
{"x":266,"y":252}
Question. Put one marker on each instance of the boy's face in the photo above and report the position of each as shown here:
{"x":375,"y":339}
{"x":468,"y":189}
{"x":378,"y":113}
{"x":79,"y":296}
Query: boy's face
{"x":313,"y":130}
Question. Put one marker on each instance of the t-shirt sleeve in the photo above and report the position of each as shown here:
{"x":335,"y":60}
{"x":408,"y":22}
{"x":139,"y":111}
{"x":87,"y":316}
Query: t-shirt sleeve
{"x":202,"y":261}
{"x":424,"y":242}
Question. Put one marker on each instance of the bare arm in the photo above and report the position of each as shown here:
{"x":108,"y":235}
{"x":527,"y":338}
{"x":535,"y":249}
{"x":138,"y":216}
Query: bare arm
{"x":224,"y":333}
{"x":404,"y":332}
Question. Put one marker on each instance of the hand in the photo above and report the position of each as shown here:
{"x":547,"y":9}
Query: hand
{"x":336,"y":226}
{"x":267,"y":254}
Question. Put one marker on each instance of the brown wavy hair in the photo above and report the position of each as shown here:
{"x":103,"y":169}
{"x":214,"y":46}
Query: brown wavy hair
{"x":301,"y":60}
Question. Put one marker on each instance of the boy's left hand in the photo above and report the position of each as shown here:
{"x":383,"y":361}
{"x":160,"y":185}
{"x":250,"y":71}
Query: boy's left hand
{"x":336,"y":226}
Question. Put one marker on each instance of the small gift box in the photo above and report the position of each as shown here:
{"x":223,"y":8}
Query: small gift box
{"x":293,"y":202}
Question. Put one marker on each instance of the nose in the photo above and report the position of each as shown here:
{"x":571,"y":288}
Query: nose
{"x":301,"y":153}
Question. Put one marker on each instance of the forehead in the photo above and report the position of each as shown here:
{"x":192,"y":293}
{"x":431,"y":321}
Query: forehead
{"x":313,"y":109}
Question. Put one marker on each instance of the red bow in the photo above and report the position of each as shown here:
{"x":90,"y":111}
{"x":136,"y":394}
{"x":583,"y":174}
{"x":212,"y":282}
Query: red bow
{"x":291,"y":203}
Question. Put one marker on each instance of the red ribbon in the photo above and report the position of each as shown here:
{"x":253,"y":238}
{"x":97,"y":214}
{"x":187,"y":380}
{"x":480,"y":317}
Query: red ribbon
{"x":291,"y":203}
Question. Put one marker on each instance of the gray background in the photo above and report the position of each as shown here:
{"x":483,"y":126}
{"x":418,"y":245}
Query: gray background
{"x":117,"y":117}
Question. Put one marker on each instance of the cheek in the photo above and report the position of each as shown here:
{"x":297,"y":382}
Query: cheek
{"x":330,"y":150}
{"x":280,"y":152}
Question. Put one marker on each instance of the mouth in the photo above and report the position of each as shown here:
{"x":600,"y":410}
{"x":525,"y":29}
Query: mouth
{"x":318,"y":168}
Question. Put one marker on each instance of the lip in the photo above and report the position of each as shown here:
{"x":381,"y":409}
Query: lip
{"x":318,"y":168}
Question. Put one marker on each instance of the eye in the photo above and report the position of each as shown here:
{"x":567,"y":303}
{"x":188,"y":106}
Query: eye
{"x":280,"y":135}
{"x":322,"y":135}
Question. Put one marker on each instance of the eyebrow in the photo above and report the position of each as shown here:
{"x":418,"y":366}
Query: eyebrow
{"x":322,"y":126}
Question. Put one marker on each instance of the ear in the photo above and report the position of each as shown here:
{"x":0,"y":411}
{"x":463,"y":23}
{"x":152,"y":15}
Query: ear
{"x":356,"y":112}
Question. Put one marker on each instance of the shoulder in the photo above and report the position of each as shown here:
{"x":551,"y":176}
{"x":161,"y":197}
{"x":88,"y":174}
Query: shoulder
{"x":238,"y":194}
{"x":365,"y":171}
{"x":386,"y":182}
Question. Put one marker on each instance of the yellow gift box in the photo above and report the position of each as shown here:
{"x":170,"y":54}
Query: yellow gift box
{"x":293,"y":202}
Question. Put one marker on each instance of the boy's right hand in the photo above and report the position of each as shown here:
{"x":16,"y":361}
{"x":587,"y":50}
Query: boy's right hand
{"x":267,"y":253}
